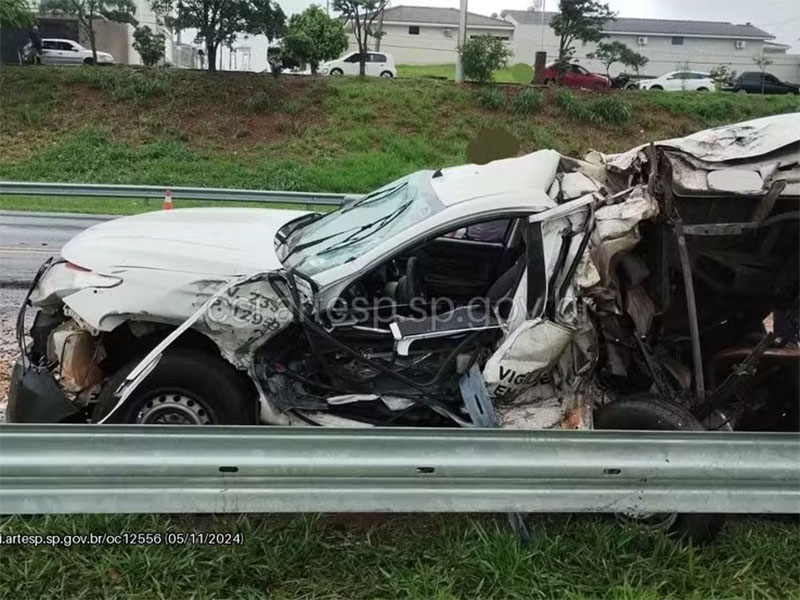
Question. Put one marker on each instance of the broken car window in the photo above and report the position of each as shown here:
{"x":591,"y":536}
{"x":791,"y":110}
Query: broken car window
{"x":362,"y":225}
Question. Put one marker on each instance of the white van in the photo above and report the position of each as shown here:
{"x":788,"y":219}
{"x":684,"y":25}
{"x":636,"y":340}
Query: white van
{"x":378,"y":64}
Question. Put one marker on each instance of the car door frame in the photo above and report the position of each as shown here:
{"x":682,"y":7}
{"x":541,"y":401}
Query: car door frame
{"x":50,"y":56}
{"x":377,"y":66}
{"x":350,"y":67}
{"x":72,"y":55}
{"x":675,"y":81}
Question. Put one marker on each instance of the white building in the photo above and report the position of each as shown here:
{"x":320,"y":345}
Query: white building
{"x":425,"y":35}
{"x":669,"y":44}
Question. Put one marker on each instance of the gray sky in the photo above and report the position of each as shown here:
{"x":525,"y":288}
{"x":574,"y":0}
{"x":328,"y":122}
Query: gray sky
{"x":781,"y":18}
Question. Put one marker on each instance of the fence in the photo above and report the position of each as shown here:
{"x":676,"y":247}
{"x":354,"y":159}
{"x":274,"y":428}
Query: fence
{"x":24,"y":188}
{"x":84,"y":468}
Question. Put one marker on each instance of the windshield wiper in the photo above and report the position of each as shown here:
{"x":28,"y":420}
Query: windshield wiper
{"x":375,"y":197}
{"x":380,"y":223}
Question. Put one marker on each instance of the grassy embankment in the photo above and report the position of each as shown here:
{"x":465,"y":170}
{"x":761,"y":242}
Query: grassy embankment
{"x":353,"y":557}
{"x":301,"y":133}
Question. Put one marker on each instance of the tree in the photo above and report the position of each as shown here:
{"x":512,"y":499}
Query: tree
{"x":482,"y":55}
{"x":313,"y":37}
{"x":15,"y":14}
{"x":762,"y":61}
{"x":220,"y":21}
{"x":149,"y":45}
{"x":578,"y":20}
{"x":361,"y":15}
{"x":608,"y":53}
{"x":86,"y":11}
{"x":634,"y":60}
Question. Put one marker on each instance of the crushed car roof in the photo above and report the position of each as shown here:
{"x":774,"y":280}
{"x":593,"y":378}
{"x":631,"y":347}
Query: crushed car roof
{"x":729,"y":142}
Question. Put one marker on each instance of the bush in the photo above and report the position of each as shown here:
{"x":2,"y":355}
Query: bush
{"x":608,"y":109}
{"x":124,"y":84}
{"x":570,"y":104}
{"x":259,"y":103}
{"x":149,"y":45}
{"x":526,"y":102}
{"x":482,"y":55}
{"x":491,"y":98}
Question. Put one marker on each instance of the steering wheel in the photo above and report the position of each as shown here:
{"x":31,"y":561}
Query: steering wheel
{"x":412,"y":284}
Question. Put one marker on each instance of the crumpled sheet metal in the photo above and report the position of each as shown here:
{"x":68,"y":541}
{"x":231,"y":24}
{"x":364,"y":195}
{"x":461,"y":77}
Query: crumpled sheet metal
{"x":748,"y":139}
{"x":616,"y":230}
{"x":528,"y":353}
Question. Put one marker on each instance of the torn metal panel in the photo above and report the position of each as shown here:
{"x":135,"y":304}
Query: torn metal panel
{"x":526,"y":358}
{"x":739,"y":141}
{"x":78,"y":355}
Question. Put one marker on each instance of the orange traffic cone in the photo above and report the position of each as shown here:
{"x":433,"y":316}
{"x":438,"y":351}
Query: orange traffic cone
{"x":167,"y":200}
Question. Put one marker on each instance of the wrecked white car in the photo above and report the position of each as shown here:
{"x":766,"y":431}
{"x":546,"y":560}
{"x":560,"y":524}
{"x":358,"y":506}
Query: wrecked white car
{"x":533,"y":292}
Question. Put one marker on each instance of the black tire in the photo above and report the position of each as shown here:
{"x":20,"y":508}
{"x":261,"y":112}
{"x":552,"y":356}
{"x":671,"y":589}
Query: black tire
{"x":189,"y":388}
{"x":337,"y":72}
{"x":88,"y":61}
{"x":387,"y":74}
{"x":656,"y":87}
{"x":702,"y":89}
{"x":650,"y":413}
{"x":550,"y":82}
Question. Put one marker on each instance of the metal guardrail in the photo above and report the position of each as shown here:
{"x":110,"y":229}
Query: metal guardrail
{"x":25,"y":188}
{"x":82,"y":468}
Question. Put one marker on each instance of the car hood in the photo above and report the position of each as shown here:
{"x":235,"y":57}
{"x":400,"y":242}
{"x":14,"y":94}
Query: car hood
{"x":208,"y":241}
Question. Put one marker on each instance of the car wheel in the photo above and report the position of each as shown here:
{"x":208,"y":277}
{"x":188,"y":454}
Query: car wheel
{"x":651,"y":413}
{"x":655,"y":87}
{"x":185,"y":388}
{"x":550,"y":82}
{"x":387,"y":74}
{"x":337,"y":72}
{"x":741,"y":91}
{"x":702,"y":89}
{"x":88,"y":61}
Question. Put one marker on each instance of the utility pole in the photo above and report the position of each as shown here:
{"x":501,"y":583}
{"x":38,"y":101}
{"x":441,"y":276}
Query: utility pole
{"x":543,"y":9}
{"x":380,"y":31}
{"x":462,"y":39}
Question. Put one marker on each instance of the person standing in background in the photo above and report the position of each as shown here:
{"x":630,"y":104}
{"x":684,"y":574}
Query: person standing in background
{"x":36,"y":45}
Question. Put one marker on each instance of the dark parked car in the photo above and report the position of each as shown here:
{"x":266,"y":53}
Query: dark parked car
{"x":754,"y":82}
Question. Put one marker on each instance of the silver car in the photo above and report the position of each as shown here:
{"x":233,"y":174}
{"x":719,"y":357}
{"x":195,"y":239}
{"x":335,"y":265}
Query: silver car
{"x":57,"y":51}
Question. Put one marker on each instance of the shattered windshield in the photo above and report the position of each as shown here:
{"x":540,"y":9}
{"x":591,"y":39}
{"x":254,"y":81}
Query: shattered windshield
{"x":360,"y":226}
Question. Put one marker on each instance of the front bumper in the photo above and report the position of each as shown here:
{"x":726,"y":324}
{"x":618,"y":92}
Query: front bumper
{"x":34,"y":397}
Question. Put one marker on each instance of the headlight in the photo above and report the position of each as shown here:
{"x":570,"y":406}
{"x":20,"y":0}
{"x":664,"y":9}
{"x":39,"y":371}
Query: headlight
{"x":65,"y":278}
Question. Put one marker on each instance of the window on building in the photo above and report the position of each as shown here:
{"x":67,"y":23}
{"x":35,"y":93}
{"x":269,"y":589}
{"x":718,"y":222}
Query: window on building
{"x":413,"y":30}
{"x":677,"y":40}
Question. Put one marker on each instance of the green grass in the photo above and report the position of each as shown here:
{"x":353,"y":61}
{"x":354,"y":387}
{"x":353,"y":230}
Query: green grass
{"x":347,"y":135}
{"x":128,"y":206}
{"x":447,"y":71}
{"x":412,"y":556}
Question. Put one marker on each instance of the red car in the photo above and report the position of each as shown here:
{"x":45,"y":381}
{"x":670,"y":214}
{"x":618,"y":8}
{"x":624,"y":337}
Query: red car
{"x":576,"y":76}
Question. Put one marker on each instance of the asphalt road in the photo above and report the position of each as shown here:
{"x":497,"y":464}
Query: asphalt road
{"x":27,"y":239}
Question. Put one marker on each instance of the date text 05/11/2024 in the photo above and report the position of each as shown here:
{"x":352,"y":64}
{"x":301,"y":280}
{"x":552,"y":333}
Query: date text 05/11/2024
{"x":170,"y":538}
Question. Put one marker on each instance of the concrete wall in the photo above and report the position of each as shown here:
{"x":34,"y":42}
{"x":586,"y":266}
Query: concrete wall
{"x":432,"y":45}
{"x":701,"y":53}
{"x":112,"y":37}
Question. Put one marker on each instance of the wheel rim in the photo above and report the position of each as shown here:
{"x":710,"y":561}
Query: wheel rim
{"x":550,"y":82}
{"x":386,"y":74}
{"x":336,"y":72}
{"x":172,"y":408}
